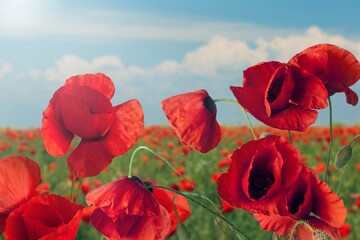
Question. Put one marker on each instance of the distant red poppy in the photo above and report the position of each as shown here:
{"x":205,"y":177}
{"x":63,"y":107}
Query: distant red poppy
{"x":345,"y":230}
{"x":165,"y":198}
{"x":193,"y":116}
{"x":281,"y":96}
{"x":50,"y":217}
{"x":125,"y":209}
{"x":307,"y":195}
{"x":82,"y":107}
{"x":260,"y":171}
{"x":336,"y":67}
{"x":19,"y":178}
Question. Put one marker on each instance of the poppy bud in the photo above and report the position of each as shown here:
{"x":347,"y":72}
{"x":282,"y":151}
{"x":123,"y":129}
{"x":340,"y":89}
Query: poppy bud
{"x":343,"y":156}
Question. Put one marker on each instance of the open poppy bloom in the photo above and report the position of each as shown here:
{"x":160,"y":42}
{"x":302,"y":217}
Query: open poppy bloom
{"x":193,"y":116}
{"x":125,"y":209}
{"x":165,"y":198}
{"x":50,"y":217}
{"x":307,"y":195}
{"x":82,"y":108}
{"x":259,"y":173}
{"x":335,"y":66}
{"x":281,"y":95}
{"x":19,"y":178}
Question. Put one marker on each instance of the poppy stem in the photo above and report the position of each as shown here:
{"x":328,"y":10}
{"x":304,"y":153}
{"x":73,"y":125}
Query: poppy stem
{"x":289,"y":136}
{"x":72,"y":188}
{"x":245,"y":114}
{"x":78,"y":189}
{"x":163,"y":159}
{"x":205,"y":207}
{"x":331,"y":140}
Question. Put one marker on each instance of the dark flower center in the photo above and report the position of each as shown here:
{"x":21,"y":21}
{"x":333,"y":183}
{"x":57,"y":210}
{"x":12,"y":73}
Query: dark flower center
{"x":295,"y":204}
{"x":209,"y":104}
{"x":275,"y":88}
{"x":259,"y":183}
{"x":148,"y":186}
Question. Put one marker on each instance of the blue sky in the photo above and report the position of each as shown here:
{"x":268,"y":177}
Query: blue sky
{"x":155,"y":49}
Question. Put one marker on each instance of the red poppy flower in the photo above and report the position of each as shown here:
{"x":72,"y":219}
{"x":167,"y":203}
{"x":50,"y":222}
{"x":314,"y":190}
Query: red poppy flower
{"x":306,"y":195}
{"x":165,"y":198}
{"x":193,"y":115}
{"x":50,"y":217}
{"x":281,"y":96}
{"x":260,"y":171}
{"x":82,"y":107}
{"x":19,"y":178}
{"x":125,"y":209}
{"x":335,"y":66}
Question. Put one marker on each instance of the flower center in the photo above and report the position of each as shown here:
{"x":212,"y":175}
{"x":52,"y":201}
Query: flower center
{"x":275,"y":89}
{"x":259,"y":183}
{"x":209,"y":104}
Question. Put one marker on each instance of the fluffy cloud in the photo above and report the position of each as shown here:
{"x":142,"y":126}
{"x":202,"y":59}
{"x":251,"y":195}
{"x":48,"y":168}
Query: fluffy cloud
{"x":5,"y":69}
{"x":217,"y":58}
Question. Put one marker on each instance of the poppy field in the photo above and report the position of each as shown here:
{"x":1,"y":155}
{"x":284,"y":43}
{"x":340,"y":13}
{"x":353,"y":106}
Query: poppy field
{"x":95,"y":171}
{"x":203,"y":169}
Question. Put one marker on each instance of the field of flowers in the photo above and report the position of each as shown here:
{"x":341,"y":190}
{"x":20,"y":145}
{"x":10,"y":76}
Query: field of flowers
{"x":202,"y":169}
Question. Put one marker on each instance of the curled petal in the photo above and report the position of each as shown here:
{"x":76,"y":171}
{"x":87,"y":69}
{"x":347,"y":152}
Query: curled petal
{"x":98,"y":82}
{"x":56,"y":137}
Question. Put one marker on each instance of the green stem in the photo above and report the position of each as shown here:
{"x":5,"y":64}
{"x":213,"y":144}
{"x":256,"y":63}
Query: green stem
{"x":245,"y":114}
{"x":289,"y":136}
{"x":205,"y":207}
{"x":296,"y":225}
{"x":175,"y":210}
{"x":72,"y":188}
{"x":163,"y":159}
{"x":78,"y":190}
{"x":331,"y":140}
{"x":353,"y":141}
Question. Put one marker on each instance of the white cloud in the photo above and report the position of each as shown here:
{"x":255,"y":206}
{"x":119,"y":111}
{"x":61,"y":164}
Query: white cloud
{"x":218,"y":57}
{"x":283,"y":48}
{"x":5,"y":69}
{"x":222,"y":52}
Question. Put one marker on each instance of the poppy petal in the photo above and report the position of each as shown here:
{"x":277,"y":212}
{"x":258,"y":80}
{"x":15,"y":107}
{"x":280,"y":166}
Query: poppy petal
{"x":293,"y":117}
{"x":16,"y":190}
{"x":351,"y":96}
{"x":327,"y":204}
{"x":56,"y":138}
{"x":85,"y":112}
{"x":2,"y":224}
{"x":282,"y":225}
{"x":258,"y":76}
{"x":126,"y":128}
{"x":193,"y":116}
{"x":126,"y":195}
{"x":309,"y":91}
{"x":49,"y":217}
{"x":89,"y":158}
{"x":98,"y":82}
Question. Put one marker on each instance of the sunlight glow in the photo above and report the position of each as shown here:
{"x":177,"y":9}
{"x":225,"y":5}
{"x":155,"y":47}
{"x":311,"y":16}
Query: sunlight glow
{"x":20,"y":15}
